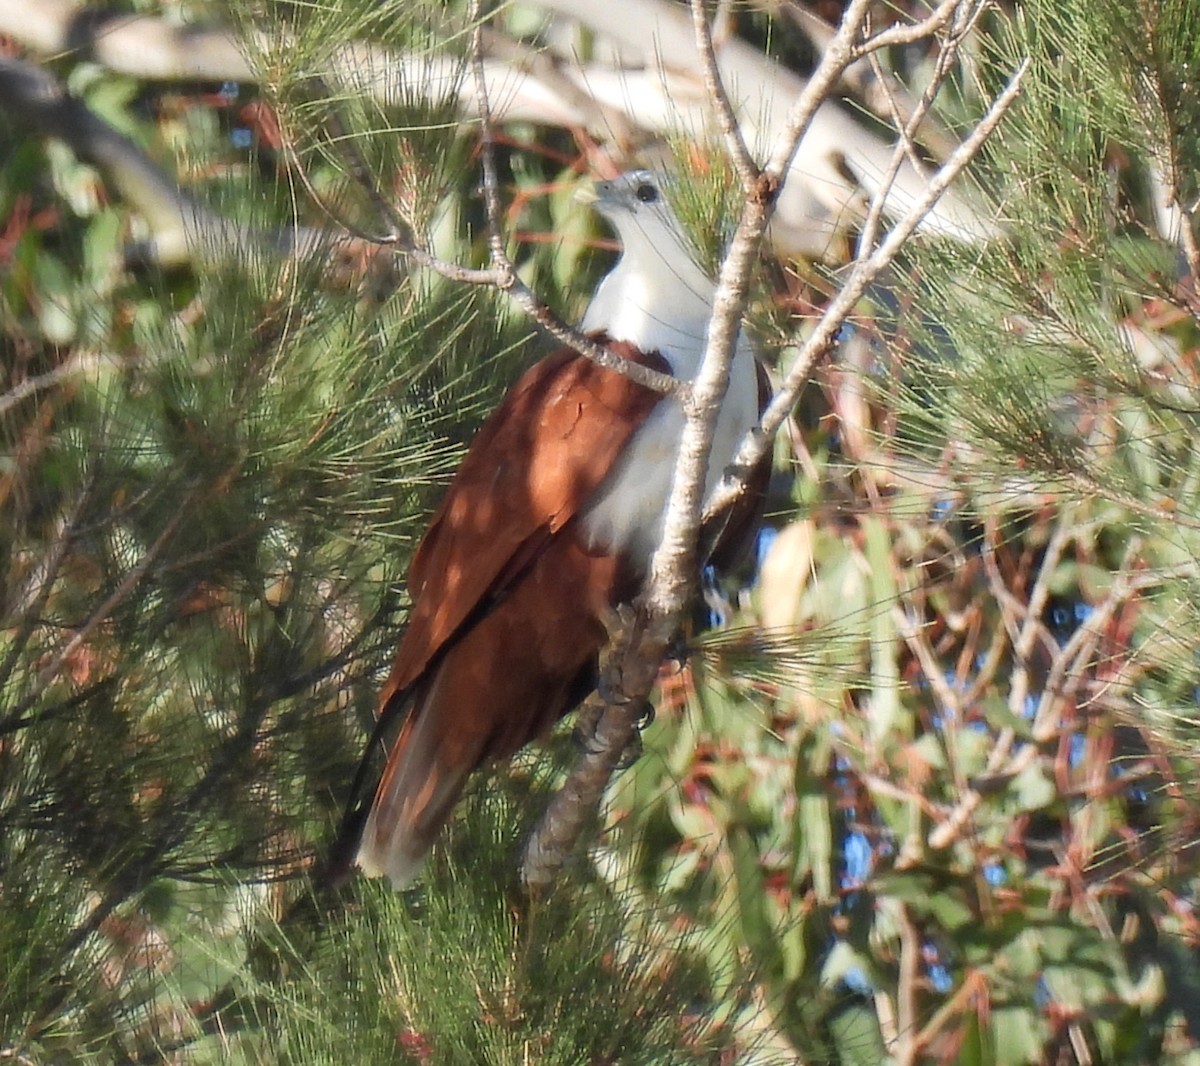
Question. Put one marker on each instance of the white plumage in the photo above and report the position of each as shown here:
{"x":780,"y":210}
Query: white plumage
{"x":508,"y":590}
{"x":658,"y":298}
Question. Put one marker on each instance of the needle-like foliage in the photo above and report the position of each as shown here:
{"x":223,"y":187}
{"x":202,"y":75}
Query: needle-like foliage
{"x":925,"y":792}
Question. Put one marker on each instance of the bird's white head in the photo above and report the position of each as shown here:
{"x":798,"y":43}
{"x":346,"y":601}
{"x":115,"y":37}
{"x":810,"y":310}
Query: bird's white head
{"x":656,"y":296}
{"x":659,"y":299}
{"x":636,"y":205}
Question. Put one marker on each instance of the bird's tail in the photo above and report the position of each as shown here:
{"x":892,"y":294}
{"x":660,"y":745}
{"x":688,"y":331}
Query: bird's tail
{"x":391,"y":833}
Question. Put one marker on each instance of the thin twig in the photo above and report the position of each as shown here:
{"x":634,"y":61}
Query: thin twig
{"x":1064,"y":531}
{"x":1071,"y":659}
{"x":885,"y":1015}
{"x":127,"y":584}
{"x":487,"y":146}
{"x":501,"y":274}
{"x":735,"y":143}
{"x":865,"y":78}
{"x":1012,"y":610}
{"x":905,"y":1050}
{"x":503,"y":267}
{"x":907,"y":131}
{"x":1066,"y":671}
{"x":671,"y":570}
{"x":905,"y":126}
{"x":78,"y":365}
{"x":910,"y":33}
{"x":360,"y":170}
{"x":864,"y":272}
{"x":840,"y":53}
{"x":949,"y":700}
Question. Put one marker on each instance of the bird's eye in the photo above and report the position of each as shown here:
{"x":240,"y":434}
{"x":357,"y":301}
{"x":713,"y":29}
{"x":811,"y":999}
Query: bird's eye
{"x":646,"y":192}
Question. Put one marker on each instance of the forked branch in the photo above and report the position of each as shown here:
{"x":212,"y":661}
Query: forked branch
{"x":673,"y":564}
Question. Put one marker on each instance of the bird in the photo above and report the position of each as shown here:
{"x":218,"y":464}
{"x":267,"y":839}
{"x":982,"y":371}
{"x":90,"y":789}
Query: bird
{"x":548,"y":525}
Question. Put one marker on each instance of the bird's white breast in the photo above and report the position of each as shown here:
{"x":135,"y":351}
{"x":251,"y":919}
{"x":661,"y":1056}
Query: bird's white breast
{"x":658,"y":299}
{"x":626,"y":514}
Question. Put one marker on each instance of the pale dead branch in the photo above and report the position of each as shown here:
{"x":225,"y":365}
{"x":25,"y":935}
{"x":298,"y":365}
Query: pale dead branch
{"x":866,"y":79}
{"x":506,"y":271}
{"x":181,"y":227}
{"x":141,"y":46}
{"x":79,"y":365}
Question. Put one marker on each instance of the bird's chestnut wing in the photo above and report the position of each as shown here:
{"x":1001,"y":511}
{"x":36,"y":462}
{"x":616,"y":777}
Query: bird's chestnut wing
{"x":532,"y":466}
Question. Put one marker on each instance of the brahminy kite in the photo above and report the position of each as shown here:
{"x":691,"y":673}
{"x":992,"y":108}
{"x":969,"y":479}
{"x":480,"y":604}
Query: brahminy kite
{"x":548,"y":525}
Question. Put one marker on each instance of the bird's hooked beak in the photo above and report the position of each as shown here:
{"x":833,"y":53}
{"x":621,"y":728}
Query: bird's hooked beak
{"x":603,"y":197}
{"x":588,"y":192}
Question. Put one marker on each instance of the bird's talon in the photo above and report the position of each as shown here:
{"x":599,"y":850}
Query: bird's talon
{"x":609,"y":690}
{"x":587,"y":721}
{"x":589,"y":745}
{"x":631,"y":752}
{"x":619,"y":622}
{"x":645,"y":718}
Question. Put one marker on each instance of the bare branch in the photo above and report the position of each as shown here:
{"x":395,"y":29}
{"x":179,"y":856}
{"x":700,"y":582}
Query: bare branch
{"x":671,"y":567}
{"x":914,"y":636}
{"x":839,"y":55}
{"x":487,"y":146}
{"x":138,"y":45}
{"x":735,"y":143}
{"x":904,"y":149}
{"x":905,"y":1045}
{"x":1032,"y":627}
{"x":501,"y":274}
{"x":910,"y":32}
{"x":1067,"y":670}
{"x":575,"y":804}
{"x":671,"y":574}
{"x":79,"y":365}
{"x":822,"y":339}
{"x":636,"y":648}
{"x":503,"y":269}
{"x":865,"y":78}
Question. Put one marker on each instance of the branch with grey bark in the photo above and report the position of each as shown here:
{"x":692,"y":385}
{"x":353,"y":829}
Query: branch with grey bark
{"x":398,"y":232}
{"x":183,"y":229}
{"x":637,"y":660}
{"x":869,"y":265}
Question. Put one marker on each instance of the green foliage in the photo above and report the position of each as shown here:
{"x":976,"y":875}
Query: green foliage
{"x":209,"y":486}
{"x":983,"y":691}
{"x":931,"y":797}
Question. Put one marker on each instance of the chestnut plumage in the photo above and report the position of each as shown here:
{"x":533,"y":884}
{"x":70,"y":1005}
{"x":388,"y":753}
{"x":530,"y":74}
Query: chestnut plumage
{"x":548,"y":524}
